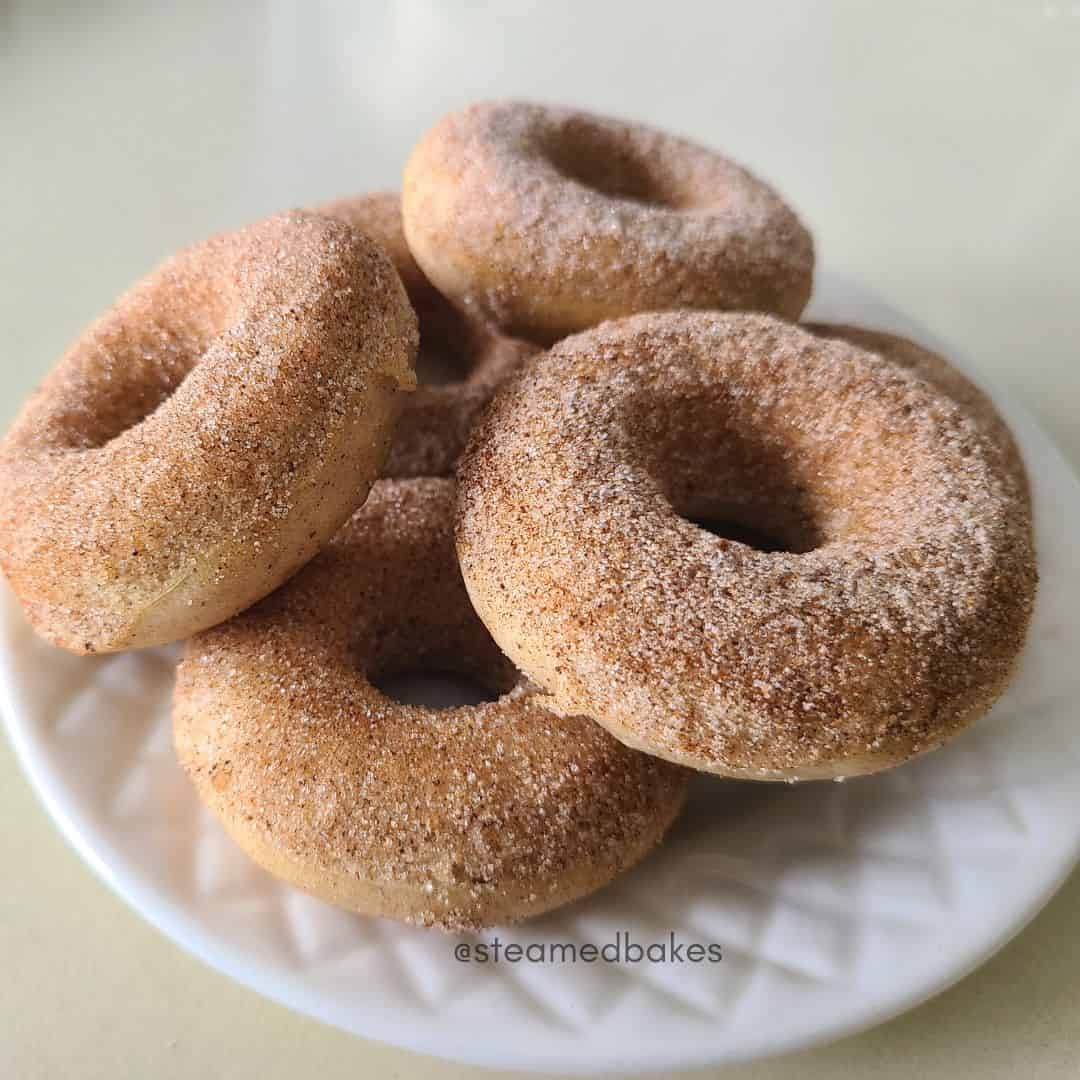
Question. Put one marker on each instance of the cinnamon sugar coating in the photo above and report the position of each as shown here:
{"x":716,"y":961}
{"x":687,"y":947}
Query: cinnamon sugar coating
{"x":548,"y":220}
{"x":435,"y":421}
{"x":936,"y":369}
{"x":888,"y":620}
{"x":206,"y":435}
{"x":461,"y":817}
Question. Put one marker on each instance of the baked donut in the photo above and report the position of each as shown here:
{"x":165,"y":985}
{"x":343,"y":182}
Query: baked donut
{"x":461,"y":817}
{"x":206,"y":435}
{"x":934,"y":368}
{"x":879,"y":611}
{"x":436,"y":420}
{"x":547,"y":221}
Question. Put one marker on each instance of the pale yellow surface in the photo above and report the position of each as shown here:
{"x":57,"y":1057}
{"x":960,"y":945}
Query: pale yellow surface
{"x":936,"y":157}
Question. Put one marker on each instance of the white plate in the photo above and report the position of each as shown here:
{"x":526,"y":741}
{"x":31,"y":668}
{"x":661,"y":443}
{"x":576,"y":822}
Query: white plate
{"x":836,"y":906}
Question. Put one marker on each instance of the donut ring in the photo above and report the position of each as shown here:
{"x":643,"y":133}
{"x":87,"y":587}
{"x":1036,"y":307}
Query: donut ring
{"x":203,"y":437}
{"x":456,"y":818}
{"x":887,"y":621}
{"x":547,"y":221}
{"x":435,"y":421}
{"x":936,"y":369}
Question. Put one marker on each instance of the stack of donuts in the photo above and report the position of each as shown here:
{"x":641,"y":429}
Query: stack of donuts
{"x":547,"y":420}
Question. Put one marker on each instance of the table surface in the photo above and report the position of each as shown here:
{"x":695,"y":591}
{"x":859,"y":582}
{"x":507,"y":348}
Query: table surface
{"x":936,"y":156}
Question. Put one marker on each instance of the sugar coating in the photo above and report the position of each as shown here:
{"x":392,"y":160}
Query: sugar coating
{"x":935,"y":369}
{"x":435,"y":420}
{"x":891,"y":619}
{"x":458,"y":817}
{"x":549,"y":220}
{"x":205,"y":435}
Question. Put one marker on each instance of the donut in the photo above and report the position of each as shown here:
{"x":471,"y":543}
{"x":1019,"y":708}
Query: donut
{"x":206,"y":435}
{"x":377,"y":214}
{"x":547,"y":221}
{"x":747,"y":549}
{"x":934,"y":368}
{"x":435,"y":421}
{"x":458,"y":818}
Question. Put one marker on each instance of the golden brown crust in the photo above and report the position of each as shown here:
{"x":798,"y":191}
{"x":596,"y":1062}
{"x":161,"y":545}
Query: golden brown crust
{"x":457,"y":818}
{"x":203,"y":438}
{"x":377,"y":215}
{"x":547,"y":221}
{"x":436,"y":420}
{"x":934,"y":368}
{"x":890,"y":618}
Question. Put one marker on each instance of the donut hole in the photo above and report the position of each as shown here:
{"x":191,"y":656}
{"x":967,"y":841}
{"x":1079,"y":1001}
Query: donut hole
{"x":130,"y":373}
{"x":768,"y":529}
{"x":605,"y":162}
{"x":423,"y":643}
{"x":433,"y":688}
{"x":440,"y":656}
{"x":439,"y":364}
{"x":747,"y":535}
{"x":443,"y":358}
{"x":108,"y":424}
{"x":733,"y":477}
{"x":110,"y":408}
{"x":445,"y":680}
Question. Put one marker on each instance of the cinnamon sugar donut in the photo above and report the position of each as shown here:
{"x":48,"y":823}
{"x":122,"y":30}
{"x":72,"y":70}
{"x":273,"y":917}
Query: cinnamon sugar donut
{"x":457,"y":818}
{"x":203,"y":437}
{"x":880,"y":614}
{"x":549,"y":220}
{"x":436,"y":420}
